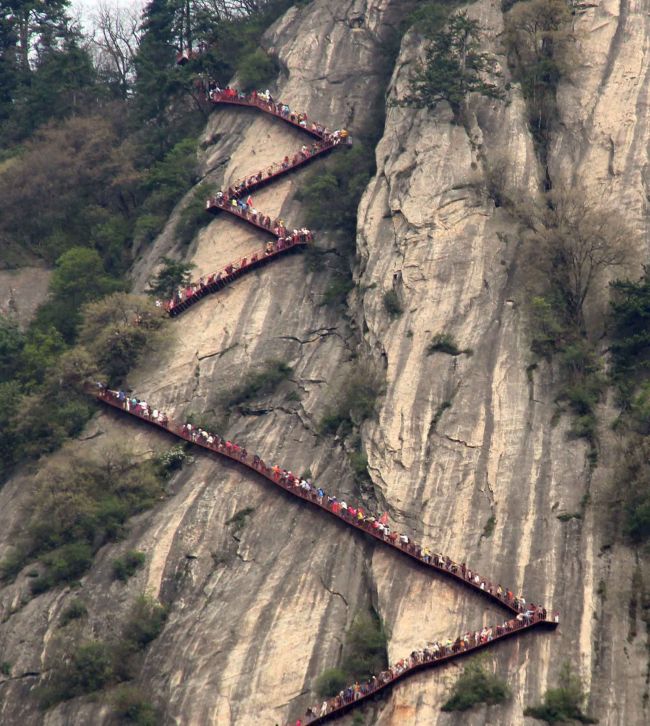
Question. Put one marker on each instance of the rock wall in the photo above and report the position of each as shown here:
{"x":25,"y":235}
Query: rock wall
{"x":256,"y":615}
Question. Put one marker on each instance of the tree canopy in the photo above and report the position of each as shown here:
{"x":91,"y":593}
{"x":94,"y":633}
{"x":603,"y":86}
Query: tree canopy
{"x":454,"y":67}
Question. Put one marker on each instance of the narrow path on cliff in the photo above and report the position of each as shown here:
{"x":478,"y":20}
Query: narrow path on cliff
{"x":230,"y":201}
{"x":526,"y":616}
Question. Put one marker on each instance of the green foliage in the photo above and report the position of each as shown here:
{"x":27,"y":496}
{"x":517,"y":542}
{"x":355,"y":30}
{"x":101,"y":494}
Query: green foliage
{"x":259,"y":384}
{"x":256,"y":69}
{"x":5,"y":668}
{"x":331,"y":682}
{"x":563,"y":703}
{"x":430,"y":16}
{"x":539,"y":42}
{"x":550,"y":328}
{"x":74,"y":611}
{"x":392,"y":304}
{"x":632,"y":484}
{"x":445,"y":343}
{"x":90,"y":163}
{"x":476,"y":685}
{"x":488,"y":530}
{"x":121,"y":330}
{"x":453,"y":68}
{"x":67,"y":563}
{"x":78,"y":278}
{"x":239,"y":519}
{"x":583,"y":387}
{"x":88,"y":670}
{"x":331,"y":198}
{"x":77,"y":506}
{"x":359,"y":463}
{"x":133,"y":707}
{"x":365,"y":647}
{"x":233,"y":40}
{"x":166,"y":181}
{"x":355,"y":402}
{"x":338,"y":289}
{"x":145,"y":623}
{"x":12,"y":343}
{"x":365,"y":655}
{"x":172,"y":460}
{"x":126,"y":566}
{"x":96,"y":665}
{"x":630,"y":333}
{"x":172,"y":275}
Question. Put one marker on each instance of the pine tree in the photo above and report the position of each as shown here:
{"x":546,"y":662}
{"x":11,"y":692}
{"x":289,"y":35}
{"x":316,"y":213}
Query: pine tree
{"x":155,"y":61}
{"x":453,"y":68}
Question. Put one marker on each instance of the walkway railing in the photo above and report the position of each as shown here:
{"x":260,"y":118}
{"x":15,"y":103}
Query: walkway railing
{"x":434,"y":562}
{"x":526,"y":618}
{"x":228,"y":202}
{"x":231,"y":272}
{"x":337,"y":706}
{"x":231,"y":97}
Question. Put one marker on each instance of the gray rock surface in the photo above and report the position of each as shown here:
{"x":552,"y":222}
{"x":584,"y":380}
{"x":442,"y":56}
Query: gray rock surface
{"x":257,"y":615}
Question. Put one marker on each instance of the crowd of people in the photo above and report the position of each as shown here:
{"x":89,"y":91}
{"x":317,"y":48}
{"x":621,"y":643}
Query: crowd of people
{"x":205,"y":285}
{"x":232,"y":200}
{"x":358,"y":516}
{"x":304,"y":154}
{"x":378,"y":526}
{"x":435,"y":652}
{"x":265,"y":101}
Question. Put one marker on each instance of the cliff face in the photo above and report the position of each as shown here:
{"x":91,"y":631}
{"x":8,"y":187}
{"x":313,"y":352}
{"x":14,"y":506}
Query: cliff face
{"x":257,"y":614}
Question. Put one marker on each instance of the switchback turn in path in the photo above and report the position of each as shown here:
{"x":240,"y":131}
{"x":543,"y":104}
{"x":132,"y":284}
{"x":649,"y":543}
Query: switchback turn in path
{"x":522,"y":617}
{"x":229,"y":201}
{"x":525,"y":617}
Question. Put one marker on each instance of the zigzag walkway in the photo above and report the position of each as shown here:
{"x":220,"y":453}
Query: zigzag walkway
{"x":526,"y":619}
{"x":228,"y":201}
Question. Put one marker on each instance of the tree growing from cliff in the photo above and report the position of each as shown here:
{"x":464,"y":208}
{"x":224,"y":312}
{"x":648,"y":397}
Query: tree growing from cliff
{"x":476,"y":685}
{"x":172,"y":275}
{"x":579,"y":243}
{"x":540,"y":46}
{"x":454,"y":67}
{"x":563,"y":703}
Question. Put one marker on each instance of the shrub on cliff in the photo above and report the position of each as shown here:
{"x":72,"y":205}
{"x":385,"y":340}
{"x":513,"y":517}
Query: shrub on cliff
{"x":476,"y":685}
{"x":119,"y":331}
{"x":126,"y":566}
{"x":92,"y":666}
{"x":77,"y":506}
{"x":563,"y":703}
{"x":355,"y":401}
{"x":261,"y":383}
{"x":331,"y":682}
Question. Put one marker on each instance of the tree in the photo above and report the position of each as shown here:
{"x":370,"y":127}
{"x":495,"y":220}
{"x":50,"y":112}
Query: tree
{"x":12,"y":342}
{"x":454,"y":67}
{"x":630,"y":314}
{"x":540,"y":45}
{"x":116,"y":39}
{"x":78,"y":278}
{"x":119,"y":331}
{"x":91,"y":167}
{"x":579,"y":242}
{"x":476,"y":685}
{"x":47,"y":71}
{"x":563,"y":703}
{"x":172,"y":275}
{"x":156,"y":82}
